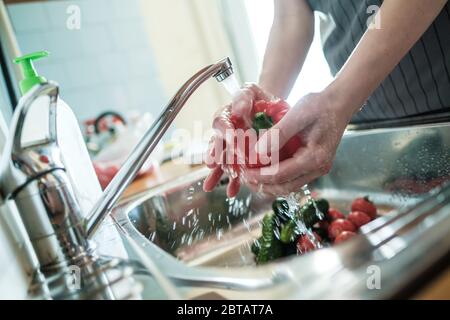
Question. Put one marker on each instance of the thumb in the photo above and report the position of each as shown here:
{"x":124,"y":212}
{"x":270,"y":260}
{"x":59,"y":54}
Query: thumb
{"x":277,"y":136}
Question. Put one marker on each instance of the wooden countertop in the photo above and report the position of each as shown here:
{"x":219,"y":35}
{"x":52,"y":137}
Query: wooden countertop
{"x":438,"y":289}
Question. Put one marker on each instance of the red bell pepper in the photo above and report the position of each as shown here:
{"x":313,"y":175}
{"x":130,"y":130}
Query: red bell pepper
{"x":264,"y":115}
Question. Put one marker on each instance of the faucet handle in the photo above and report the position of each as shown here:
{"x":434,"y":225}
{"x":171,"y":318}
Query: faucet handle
{"x":22,"y":162}
{"x":49,"y":90}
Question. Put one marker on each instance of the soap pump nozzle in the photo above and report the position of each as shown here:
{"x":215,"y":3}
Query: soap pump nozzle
{"x":30,"y":76}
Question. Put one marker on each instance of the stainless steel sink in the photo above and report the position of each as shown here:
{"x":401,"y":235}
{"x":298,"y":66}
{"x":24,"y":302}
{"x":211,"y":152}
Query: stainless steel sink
{"x":208,"y":229}
{"x":202,"y":240}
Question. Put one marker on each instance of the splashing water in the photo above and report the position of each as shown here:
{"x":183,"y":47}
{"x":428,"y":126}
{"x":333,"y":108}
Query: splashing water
{"x":231,"y":84}
{"x":307,"y":193}
{"x":294,"y":200}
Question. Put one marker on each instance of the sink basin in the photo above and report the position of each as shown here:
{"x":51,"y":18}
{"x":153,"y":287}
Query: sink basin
{"x":208,"y":229}
{"x":202,"y":228}
{"x":206,"y":234}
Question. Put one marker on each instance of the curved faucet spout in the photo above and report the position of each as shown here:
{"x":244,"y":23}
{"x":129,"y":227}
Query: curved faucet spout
{"x":220,"y":70}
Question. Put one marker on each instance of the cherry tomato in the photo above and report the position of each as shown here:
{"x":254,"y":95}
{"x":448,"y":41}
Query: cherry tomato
{"x":365,"y":205}
{"x":304,"y":244}
{"x":338,"y":226}
{"x":359,"y":218}
{"x":344,"y":235}
{"x":334,"y":214}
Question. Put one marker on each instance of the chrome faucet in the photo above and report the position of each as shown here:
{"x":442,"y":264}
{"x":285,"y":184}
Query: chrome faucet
{"x":34,"y":177}
{"x":220,"y":70}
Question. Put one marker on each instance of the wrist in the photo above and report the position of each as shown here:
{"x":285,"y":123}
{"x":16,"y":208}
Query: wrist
{"x":345,"y":101}
{"x":266,"y":84}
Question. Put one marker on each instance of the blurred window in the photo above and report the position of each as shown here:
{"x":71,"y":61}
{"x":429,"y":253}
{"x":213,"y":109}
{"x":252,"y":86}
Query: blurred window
{"x":315,"y":74}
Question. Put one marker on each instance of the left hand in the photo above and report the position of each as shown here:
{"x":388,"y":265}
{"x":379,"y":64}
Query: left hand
{"x":240,"y":108}
{"x":321,"y":122}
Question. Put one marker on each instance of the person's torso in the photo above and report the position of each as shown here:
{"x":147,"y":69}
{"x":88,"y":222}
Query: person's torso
{"x":420,"y":84}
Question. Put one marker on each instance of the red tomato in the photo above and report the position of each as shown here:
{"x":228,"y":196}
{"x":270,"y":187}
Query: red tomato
{"x":359,"y":218}
{"x":334,"y":214}
{"x":365,"y":205}
{"x":304,"y":244}
{"x":338,"y":226}
{"x":345,"y":235}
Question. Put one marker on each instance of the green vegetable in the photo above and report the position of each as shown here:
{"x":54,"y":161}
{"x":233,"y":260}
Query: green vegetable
{"x":308,"y":213}
{"x":271,"y":248}
{"x":322,"y":205}
{"x":323,"y":233}
{"x":262,"y":121}
{"x":281,"y":209}
{"x":290,"y":249}
{"x":256,"y":245}
{"x":289,"y":231}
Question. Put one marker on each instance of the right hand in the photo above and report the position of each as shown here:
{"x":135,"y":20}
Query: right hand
{"x":240,"y":108}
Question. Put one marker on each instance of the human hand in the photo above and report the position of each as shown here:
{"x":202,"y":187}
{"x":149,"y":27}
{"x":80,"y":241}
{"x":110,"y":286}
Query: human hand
{"x":321,"y":122}
{"x":240,"y":111}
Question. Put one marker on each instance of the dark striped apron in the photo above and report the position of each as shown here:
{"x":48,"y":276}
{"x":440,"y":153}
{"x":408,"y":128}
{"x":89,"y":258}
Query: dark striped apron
{"x":419,"y":85}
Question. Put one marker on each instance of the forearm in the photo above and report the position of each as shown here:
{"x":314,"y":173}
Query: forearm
{"x":403,"y":22}
{"x":289,"y":41}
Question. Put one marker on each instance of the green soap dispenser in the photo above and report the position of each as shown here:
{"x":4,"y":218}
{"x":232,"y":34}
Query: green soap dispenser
{"x":30,"y":76}
{"x":69,"y":137}
{"x":70,"y":141}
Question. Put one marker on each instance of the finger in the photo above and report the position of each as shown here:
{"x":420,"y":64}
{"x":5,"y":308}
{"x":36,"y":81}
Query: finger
{"x":242,"y":104}
{"x":233,"y":187}
{"x":258,"y":92}
{"x":210,"y":153}
{"x":277,"y":136}
{"x":213,"y":179}
{"x":222,"y":121}
{"x":284,"y":188}
{"x":307,"y":160}
{"x":215,"y":150}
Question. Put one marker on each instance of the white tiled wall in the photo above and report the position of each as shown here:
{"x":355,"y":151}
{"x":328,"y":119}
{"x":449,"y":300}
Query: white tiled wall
{"x":106,"y":65}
